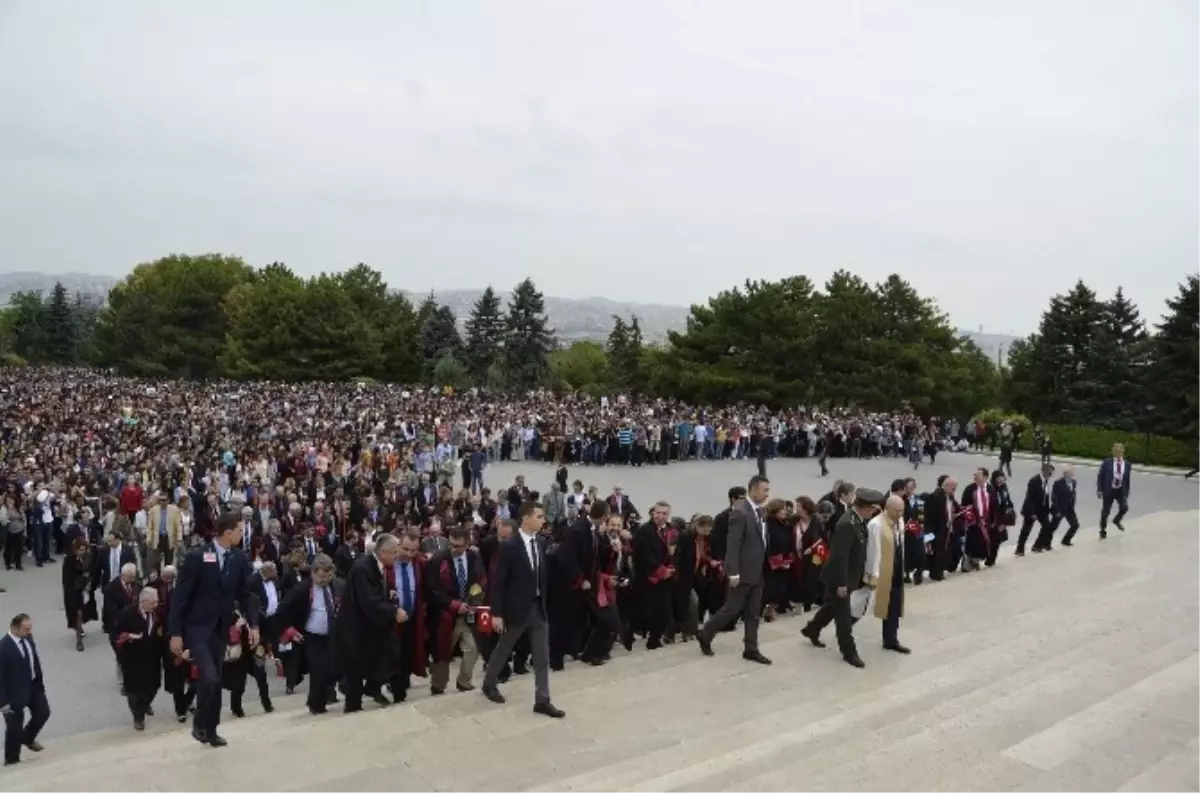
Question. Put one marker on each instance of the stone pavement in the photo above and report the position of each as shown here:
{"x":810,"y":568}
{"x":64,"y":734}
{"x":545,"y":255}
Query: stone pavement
{"x":1080,"y":462}
{"x":1073,"y":670}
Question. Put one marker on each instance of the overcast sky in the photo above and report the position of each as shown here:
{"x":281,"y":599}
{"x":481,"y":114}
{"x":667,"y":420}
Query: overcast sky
{"x":990,"y":152}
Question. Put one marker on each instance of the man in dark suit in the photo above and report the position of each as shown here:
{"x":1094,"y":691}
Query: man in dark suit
{"x":308,"y":617}
{"x":1112,"y":484}
{"x":214,"y":580}
{"x":1062,"y":503}
{"x":1036,"y":507}
{"x":109,"y":560}
{"x":368,"y":645}
{"x":939,"y":520}
{"x":518,"y":597}
{"x":21,"y":687}
{"x":745,"y":552}
{"x":843,"y":573}
{"x":720,"y":531}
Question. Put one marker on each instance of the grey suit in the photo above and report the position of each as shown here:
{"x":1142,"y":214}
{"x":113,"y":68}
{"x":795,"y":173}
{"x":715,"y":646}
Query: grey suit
{"x":745,"y":556}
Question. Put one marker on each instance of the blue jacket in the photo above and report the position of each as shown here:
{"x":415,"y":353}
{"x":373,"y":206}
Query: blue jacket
{"x":203,"y":603}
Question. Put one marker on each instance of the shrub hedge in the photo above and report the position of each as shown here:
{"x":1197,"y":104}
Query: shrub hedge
{"x":1095,"y":443}
{"x":1072,"y":440}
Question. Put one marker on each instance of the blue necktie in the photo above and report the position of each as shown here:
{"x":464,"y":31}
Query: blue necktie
{"x":462,"y":578}
{"x":405,"y":594}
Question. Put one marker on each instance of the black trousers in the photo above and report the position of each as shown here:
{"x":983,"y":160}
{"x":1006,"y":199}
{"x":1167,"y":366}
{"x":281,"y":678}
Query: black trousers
{"x":836,"y":610}
{"x":320,"y":670}
{"x":402,"y":675}
{"x":18,"y":732}
{"x":1072,"y":524}
{"x":744,"y":600}
{"x":1027,"y":522}
{"x":1106,"y":504}
{"x":605,"y":627}
{"x":139,"y":702}
{"x":936,"y":561}
{"x":14,"y":549}
{"x":208,"y":655}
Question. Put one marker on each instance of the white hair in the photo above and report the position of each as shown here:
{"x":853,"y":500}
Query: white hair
{"x":257,"y":565}
{"x":169,"y":569}
{"x":147,"y":593}
{"x":129,"y":567}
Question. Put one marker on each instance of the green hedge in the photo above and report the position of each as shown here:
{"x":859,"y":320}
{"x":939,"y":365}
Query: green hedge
{"x":1071,"y":440}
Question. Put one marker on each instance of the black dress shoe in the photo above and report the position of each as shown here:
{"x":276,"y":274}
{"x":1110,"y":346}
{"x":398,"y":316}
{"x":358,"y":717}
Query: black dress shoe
{"x":1119,"y":525}
{"x":216,"y":741}
{"x":756,"y":657}
{"x":34,"y":746}
{"x":317,"y":711}
{"x":467,"y":687}
{"x":1067,"y":543}
{"x":520,"y":669}
{"x":546,"y":709}
{"x":705,"y":644}
{"x":897,"y":648}
{"x":267,"y":706}
{"x":493,"y":693}
{"x":236,"y":710}
{"x":854,"y":660}
{"x":504,"y":676}
{"x":436,"y":692}
{"x":556,"y":666}
{"x":149,"y":711}
{"x":200,"y":735}
{"x":808,"y":633}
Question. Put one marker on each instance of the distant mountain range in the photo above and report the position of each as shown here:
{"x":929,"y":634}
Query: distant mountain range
{"x":573,"y":319}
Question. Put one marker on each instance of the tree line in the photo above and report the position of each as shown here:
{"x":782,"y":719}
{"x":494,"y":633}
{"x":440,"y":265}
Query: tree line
{"x":1097,"y":363}
{"x":785,"y":343}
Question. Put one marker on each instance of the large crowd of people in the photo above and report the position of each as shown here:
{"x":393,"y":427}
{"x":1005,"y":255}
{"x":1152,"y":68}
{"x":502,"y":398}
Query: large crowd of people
{"x":351,"y":535}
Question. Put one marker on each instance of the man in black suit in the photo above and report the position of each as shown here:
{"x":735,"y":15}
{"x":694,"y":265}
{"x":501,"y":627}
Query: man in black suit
{"x":214,"y":580}
{"x":843,"y":573}
{"x":1112,"y":484}
{"x":1036,"y":506}
{"x":21,"y":686}
{"x":518,"y":597}
{"x":109,"y":560}
{"x":939,"y":521}
{"x":745,"y":554}
{"x":1062,"y":502}
{"x":308,"y":618}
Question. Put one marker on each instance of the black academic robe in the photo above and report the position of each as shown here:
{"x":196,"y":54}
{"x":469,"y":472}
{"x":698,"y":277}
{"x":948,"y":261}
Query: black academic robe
{"x":366,"y":638}
{"x":140,"y":658}
{"x":652,"y":584}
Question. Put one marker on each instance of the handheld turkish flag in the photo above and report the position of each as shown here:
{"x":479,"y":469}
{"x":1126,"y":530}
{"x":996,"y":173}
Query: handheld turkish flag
{"x":483,"y":619}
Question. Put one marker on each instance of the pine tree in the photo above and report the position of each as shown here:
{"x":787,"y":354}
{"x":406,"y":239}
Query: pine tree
{"x":439,"y":339}
{"x":1054,"y":375}
{"x":527,"y":338}
{"x":625,"y":354}
{"x":485,"y":333}
{"x":60,"y":326}
{"x":1119,"y":357}
{"x":1175,"y":367}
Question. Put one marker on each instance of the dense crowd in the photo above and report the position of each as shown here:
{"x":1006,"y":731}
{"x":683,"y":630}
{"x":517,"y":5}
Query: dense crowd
{"x":121,"y":477}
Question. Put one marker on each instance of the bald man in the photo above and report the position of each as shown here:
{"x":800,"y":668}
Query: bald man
{"x":885,"y":569}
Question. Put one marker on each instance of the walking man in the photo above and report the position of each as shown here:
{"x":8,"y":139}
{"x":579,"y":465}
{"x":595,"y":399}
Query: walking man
{"x":745,"y":552}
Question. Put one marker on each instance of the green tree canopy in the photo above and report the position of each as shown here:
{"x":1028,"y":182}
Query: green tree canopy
{"x":485,"y":335}
{"x":167,"y":317}
{"x":528,"y":339}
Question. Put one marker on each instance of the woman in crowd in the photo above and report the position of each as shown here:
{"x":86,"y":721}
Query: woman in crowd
{"x":79,"y":603}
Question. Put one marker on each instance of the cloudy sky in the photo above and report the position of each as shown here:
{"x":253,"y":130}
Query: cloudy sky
{"x":649,"y":150}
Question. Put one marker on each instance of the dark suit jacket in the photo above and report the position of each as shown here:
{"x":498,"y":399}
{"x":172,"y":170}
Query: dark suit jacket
{"x":514,"y":590}
{"x":936,"y":520}
{"x":847,"y":553}
{"x":16,"y":686}
{"x":116,"y":600}
{"x":1104,"y":477}
{"x":1062,"y":496}
{"x":1037,"y":501}
{"x":744,"y":549}
{"x":205,"y":600}
{"x":101,"y":558}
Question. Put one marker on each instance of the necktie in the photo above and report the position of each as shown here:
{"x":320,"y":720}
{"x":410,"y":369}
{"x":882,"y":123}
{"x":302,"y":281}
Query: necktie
{"x":329,"y":602}
{"x":462,"y":577}
{"x":533,"y":556}
{"x":149,"y":624}
{"x":224,"y":563}
{"x":405,"y":595}
{"x":25,"y":655}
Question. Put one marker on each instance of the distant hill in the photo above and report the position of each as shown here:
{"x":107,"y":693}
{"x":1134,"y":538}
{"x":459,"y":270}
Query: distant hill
{"x":93,"y":286}
{"x":573,"y":319}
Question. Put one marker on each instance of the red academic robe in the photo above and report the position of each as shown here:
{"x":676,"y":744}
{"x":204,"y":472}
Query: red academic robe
{"x":418,"y":620}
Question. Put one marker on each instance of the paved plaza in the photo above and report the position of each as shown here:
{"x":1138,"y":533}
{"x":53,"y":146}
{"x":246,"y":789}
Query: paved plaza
{"x":1076,"y":670}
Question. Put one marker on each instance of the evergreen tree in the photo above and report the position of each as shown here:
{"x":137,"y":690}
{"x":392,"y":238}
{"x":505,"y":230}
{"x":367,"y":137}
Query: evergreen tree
{"x":1119,"y":356}
{"x":1175,"y":370}
{"x":439,"y":338}
{"x":1053,"y":374}
{"x":60,"y":326}
{"x":528,"y":340}
{"x":485,"y":333}
{"x":625,"y":351}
